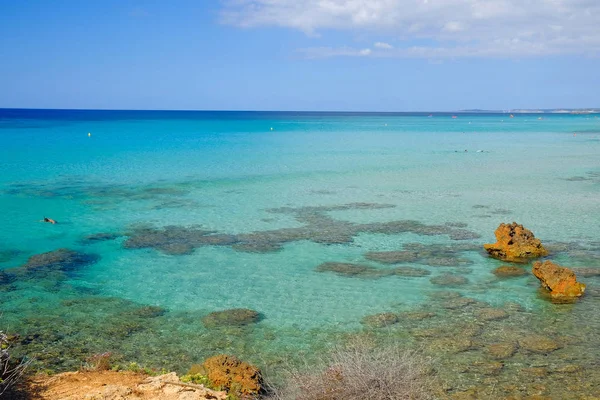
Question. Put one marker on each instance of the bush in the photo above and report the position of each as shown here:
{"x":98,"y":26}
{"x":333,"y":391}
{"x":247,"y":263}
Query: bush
{"x":10,"y":370}
{"x":362,"y":372}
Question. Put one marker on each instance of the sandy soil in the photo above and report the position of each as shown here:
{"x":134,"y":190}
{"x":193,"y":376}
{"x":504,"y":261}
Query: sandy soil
{"x":109,"y":385}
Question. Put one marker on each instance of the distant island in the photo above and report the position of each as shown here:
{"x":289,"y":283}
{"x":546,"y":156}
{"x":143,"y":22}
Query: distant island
{"x":539,"y":111}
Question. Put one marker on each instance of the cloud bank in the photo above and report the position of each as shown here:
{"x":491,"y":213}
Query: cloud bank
{"x":452,"y":28}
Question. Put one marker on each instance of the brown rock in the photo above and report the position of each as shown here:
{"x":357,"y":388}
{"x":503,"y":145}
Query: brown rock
{"x":229,"y":373}
{"x":538,"y":344}
{"x":491,"y":314}
{"x":559,"y":281}
{"x":502,"y":350}
{"x":487,"y":368}
{"x":507,"y":271}
{"x":514,"y":243}
{"x":449,"y":280}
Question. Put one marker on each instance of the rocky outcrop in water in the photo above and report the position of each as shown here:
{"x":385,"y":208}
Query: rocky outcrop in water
{"x":514,"y":243}
{"x":561,"y":282}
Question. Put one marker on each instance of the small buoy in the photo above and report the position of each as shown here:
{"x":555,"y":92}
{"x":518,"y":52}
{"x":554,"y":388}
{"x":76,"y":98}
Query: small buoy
{"x":271,"y":128}
{"x":89,"y":134}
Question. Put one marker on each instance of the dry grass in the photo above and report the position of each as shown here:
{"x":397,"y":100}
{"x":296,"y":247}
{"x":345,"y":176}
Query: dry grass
{"x":10,"y":370}
{"x":362,"y":371}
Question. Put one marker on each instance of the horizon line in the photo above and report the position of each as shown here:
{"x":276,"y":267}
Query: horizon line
{"x":474,"y":110}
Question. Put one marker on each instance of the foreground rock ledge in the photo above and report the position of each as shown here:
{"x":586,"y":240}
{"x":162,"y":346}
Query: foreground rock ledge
{"x":514,"y":243}
{"x":560,"y":281}
{"x":109,"y":385}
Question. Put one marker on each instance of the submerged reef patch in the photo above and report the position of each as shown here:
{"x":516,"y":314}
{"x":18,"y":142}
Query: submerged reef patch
{"x":56,"y":262}
{"x":318,"y":228}
{"x":366,"y":271}
{"x":380,"y":320}
{"x":434,"y":255}
{"x":449,"y":280}
{"x":232,"y":317}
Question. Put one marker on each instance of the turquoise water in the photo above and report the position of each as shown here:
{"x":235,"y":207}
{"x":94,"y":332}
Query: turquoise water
{"x":284,"y":193}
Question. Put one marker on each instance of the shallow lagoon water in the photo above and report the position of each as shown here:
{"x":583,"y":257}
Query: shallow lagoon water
{"x":317,"y":188}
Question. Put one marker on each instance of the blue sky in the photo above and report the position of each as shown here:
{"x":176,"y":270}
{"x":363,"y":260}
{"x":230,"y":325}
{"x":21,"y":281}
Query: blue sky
{"x":363,"y":55}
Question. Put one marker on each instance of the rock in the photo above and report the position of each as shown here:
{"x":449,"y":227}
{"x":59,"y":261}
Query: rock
{"x":502,"y":350}
{"x":417,"y":315}
{"x":538,"y":344}
{"x":514,"y":243}
{"x":232,"y":317}
{"x":451,"y":345}
{"x":352,"y":270}
{"x":506,"y":271}
{"x":487,"y":368}
{"x":560,"y":281}
{"x":380,"y":320}
{"x":109,"y":392}
{"x":449,"y":280}
{"x":229,"y":373}
{"x":410,"y":271}
{"x":491,"y":314}
{"x":459,"y":302}
{"x":61,"y":259}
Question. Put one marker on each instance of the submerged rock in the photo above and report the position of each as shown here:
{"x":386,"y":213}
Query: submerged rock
{"x":507,"y":271}
{"x":380,"y":320}
{"x":410,"y":271}
{"x":514,"y":243}
{"x":64,"y":260}
{"x":561,"y":282}
{"x":502,"y":350}
{"x":232,"y":317}
{"x":538,"y":344}
{"x":491,"y":314}
{"x":449,"y":280}
{"x":349,"y":269}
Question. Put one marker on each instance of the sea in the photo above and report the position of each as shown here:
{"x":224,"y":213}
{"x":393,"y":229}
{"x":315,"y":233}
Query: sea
{"x":277,"y":236}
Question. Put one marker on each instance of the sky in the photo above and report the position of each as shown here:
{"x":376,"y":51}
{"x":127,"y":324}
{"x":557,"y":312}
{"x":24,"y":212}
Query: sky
{"x":320,"y":55}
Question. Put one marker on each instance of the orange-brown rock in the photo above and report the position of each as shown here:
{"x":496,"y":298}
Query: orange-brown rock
{"x":560,"y":281}
{"x":231,"y":374}
{"x":514,"y":243}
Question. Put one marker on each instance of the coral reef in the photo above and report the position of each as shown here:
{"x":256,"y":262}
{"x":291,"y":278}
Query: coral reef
{"x":514,"y":243}
{"x":561,"y":282}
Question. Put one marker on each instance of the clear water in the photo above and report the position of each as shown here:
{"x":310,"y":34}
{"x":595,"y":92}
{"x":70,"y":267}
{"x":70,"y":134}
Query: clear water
{"x":226,"y":172}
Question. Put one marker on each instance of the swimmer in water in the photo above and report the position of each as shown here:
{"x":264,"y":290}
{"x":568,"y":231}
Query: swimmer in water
{"x":50,"y":220}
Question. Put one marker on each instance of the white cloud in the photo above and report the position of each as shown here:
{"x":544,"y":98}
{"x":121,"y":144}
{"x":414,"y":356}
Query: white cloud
{"x":500,"y":28}
{"x":383,"y":45}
